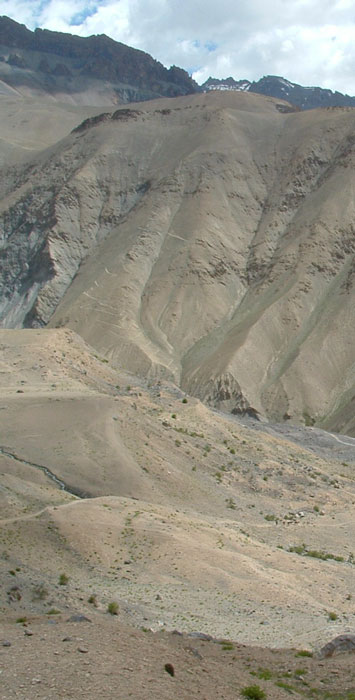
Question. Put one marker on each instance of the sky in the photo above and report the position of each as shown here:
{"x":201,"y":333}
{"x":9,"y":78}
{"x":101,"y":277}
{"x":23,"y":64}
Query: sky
{"x":310,"y":42}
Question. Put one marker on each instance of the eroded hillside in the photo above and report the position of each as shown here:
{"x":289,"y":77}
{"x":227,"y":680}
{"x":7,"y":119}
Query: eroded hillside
{"x":207,"y":240}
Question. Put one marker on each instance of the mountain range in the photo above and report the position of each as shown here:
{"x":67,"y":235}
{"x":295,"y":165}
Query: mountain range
{"x":97,"y":70}
{"x":276,"y":86}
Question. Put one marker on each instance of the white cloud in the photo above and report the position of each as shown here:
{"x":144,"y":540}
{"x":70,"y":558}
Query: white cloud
{"x":308,"y":41}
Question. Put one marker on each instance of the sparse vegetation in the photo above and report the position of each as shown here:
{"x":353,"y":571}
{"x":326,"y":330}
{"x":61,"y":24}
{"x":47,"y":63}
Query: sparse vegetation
{"x":227,"y":645}
{"x":253,"y":692}
{"x":302,"y":550}
{"x":332,"y":616}
{"x":299,"y":672}
{"x":263,"y":673}
{"x":309,"y":421}
{"x":304,"y":652}
{"x":63,"y":579}
{"x":113,"y":608}
{"x":285,"y":686}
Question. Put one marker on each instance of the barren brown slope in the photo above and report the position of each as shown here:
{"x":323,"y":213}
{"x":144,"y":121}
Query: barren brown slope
{"x":28,"y":125}
{"x":217,"y":233}
{"x":107,"y":659}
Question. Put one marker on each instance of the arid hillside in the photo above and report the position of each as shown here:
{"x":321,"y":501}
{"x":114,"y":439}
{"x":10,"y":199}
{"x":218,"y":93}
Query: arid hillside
{"x":207,"y":240}
{"x":115,"y":489}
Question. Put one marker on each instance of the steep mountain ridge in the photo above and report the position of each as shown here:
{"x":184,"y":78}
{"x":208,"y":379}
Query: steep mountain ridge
{"x":207,"y":239}
{"x":97,"y":70}
{"x":93,"y":70}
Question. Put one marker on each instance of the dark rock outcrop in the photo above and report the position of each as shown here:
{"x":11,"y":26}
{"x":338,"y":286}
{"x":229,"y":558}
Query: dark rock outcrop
{"x":340,"y":644}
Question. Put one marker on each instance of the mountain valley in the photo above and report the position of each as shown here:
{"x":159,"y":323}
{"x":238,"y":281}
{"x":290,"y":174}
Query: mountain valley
{"x":177,"y":386}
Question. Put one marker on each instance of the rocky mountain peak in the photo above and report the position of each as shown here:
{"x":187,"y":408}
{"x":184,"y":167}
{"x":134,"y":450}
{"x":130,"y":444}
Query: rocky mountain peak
{"x":279,"y":87}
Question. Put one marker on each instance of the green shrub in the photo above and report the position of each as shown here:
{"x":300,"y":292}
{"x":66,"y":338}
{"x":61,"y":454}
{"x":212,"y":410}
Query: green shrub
{"x":298,"y":548}
{"x":264,"y":674}
{"x":253,"y":692}
{"x":304,"y":652}
{"x":299,"y":672}
{"x":285,"y":686}
{"x":227,"y":645}
{"x":112,"y":608}
{"x":63,"y":579}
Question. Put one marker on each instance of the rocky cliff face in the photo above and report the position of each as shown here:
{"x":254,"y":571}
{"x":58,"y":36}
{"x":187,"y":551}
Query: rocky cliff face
{"x":91,"y":70}
{"x":209,"y":240}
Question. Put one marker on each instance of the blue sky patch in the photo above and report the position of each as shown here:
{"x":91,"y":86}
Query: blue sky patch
{"x":210,"y":46}
{"x":80,"y":17}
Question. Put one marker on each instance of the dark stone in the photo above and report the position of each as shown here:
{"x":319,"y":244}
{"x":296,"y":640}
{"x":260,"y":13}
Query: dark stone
{"x":201,"y":635}
{"x":78,"y":618}
{"x":338,"y":645}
